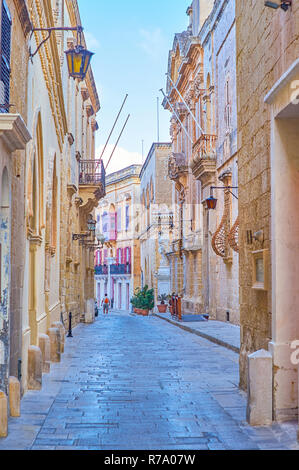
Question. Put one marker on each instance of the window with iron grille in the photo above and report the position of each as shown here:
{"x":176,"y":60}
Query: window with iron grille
{"x":5,"y":50}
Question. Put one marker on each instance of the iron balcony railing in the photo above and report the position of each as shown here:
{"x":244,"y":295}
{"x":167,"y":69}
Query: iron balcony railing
{"x":120,"y":269}
{"x":115,"y":269}
{"x":101,"y":270}
{"x":92,"y":172}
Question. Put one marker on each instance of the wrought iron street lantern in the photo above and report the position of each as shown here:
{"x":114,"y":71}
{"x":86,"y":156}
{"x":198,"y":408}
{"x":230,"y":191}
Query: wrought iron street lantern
{"x":91,"y":224}
{"x":100,"y":238}
{"x":211,"y":202}
{"x":78,"y":58}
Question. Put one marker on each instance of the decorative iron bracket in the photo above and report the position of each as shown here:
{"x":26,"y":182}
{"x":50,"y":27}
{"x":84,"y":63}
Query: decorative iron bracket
{"x":80,"y":236}
{"x":79,"y":30}
{"x":225,"y":187}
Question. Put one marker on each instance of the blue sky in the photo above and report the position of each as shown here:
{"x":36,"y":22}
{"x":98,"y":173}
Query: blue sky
{"x":131,"y":41}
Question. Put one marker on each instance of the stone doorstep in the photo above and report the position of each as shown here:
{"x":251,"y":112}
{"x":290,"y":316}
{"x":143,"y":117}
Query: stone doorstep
{"x":211,"y":338}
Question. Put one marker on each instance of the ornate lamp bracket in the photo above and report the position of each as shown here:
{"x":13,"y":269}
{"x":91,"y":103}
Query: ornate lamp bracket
{"x":78,"y":28}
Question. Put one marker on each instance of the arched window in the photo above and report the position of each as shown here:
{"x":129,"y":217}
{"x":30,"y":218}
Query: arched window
{"x":105,"y":224}
{"x":35,"y":186}
{"x":34,"y":199}
{"x":112,"y":223}
{"x":152,"y":196}
{"x":127,"y":218}
{"x":54,"y":209}
{"x":208,"y":116}
{"x":227,"y":111}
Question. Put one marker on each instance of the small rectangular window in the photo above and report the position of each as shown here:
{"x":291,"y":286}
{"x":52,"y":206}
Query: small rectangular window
{"x":127,"y":218}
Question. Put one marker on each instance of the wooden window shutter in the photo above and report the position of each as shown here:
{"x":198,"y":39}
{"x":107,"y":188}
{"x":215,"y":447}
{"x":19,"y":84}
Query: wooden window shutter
{"x":5,"y":57}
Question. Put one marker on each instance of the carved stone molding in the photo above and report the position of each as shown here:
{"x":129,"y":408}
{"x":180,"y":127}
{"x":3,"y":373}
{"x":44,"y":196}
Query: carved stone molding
{"x":70,"y":138}
{"x":13,"y":132}
{"x":177,"y":166}
{"x":84,"y":93}
{"x":71,"y":190}
{"x":23,"y":15}
{"x":89,"y":110}
{"x":34,"y":240}
{"x":94,"y":125}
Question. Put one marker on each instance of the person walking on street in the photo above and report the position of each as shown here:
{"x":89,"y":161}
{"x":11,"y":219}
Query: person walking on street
{"x":106,"y":304}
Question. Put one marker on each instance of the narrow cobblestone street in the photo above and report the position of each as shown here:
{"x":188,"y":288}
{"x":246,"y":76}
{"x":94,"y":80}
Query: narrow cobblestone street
{"x":128,"y":382}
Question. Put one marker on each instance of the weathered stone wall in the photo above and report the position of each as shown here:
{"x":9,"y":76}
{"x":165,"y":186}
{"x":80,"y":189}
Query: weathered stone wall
{"x":155,"y":182}
{"x":16,"y":167}
{"x":266,"y":46}
{"x":218,"y":37}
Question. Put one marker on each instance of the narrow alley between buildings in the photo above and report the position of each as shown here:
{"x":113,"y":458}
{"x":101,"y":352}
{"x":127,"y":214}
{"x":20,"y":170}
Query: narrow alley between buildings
{"x":131,"y":382}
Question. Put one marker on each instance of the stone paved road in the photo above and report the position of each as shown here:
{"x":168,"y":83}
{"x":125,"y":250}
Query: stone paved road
{"x":128,"y":382}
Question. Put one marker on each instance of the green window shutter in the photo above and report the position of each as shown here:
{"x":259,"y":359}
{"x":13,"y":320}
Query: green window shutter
{"x":5,"y":57}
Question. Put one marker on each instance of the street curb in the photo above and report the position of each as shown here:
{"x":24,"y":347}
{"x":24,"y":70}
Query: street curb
{"x":203,"y":335}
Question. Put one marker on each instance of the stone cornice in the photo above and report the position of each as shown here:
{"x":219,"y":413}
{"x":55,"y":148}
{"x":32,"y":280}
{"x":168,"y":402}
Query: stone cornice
{"x":14,"y":132}
{"x":41,"y":16}
{"x":23,"y":15}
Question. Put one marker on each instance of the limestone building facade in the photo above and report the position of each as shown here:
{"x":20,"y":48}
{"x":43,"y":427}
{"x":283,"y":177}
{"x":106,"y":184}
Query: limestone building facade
{"x":63,"y":181}
{"x":201,"y":95}
{"x":156,"y":220}
{"x":267,"y":62}
{"x":14,"y":135}
{"x":50,"y":184}
{"x":117,"y":263}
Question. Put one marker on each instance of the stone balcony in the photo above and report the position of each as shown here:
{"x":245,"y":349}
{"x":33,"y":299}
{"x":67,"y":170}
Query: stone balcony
{"x":203,"y":163}
{"x":92,"y":186}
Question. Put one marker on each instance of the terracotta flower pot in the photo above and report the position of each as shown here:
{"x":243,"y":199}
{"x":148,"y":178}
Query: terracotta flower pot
{"x":144,"y":312}
{"x":162,"y":308}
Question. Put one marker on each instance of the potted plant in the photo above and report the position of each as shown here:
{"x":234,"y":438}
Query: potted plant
{"x":143,"y":300}
{"x":163,"y":306}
